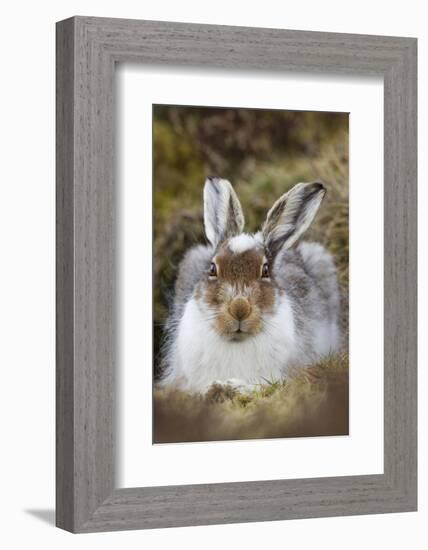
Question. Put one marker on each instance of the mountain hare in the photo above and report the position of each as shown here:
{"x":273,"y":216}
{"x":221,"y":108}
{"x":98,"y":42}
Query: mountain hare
{"x":248,"y":308}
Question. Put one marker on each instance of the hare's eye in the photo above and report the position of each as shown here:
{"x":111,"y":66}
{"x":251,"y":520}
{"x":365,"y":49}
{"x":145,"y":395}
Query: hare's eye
{"x":265,"y":271}
{"x":213,"y":270}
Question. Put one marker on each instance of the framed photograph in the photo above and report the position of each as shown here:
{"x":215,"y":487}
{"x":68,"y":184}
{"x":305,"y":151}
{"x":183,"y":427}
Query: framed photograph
{"x":236,"y":274}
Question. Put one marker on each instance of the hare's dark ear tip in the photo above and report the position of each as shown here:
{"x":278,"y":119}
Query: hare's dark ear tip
{"x":318,"y":186}
{"x":213,"y":183}
{"x":309,"y":190}
{"x":212,"y":180}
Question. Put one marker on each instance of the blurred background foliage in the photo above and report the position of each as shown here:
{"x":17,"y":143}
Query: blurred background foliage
{"x":263,"y":153}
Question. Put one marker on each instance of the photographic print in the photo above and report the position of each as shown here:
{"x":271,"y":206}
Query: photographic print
{"x":250,"y":277}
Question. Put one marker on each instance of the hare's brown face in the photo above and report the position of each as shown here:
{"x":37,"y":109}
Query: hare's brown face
{"x":238,"y":288}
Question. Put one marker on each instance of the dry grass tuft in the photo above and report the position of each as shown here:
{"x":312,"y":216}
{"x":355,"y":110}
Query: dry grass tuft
{"x":313,"y":402}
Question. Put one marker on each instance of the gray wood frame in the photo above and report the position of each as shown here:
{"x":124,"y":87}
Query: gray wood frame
{"x":87,"y":50}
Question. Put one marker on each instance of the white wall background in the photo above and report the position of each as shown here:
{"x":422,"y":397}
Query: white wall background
{"x":27,"y":271}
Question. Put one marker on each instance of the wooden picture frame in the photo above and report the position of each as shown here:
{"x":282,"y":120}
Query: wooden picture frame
{"x":87,"y":50}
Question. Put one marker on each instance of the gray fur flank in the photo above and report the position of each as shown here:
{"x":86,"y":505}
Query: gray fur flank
{"x":308,"y":275}
{"x":193,"y":266}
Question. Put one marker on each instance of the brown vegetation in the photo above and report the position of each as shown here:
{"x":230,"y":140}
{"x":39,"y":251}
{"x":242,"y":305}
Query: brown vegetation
{"x":312,"y":403}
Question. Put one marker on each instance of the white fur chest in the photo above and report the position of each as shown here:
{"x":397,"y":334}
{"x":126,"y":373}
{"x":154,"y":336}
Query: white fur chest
{"x":200,"y":356}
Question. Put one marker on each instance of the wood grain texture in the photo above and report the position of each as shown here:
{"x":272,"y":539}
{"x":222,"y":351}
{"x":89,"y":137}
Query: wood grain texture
{"x":87,"y":50}
{"x":64,"y":277}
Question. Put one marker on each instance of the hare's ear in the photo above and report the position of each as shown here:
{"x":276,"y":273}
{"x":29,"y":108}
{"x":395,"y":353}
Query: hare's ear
{"x":291,"y":215}
{"x":223,"y":216}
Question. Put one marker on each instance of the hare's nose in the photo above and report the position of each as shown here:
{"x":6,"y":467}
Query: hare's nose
{"x":240,"y":308}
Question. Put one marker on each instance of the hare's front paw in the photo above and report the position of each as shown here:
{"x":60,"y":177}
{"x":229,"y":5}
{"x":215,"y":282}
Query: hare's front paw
{"x":240,"y":386}
{"x":222,"y":390}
